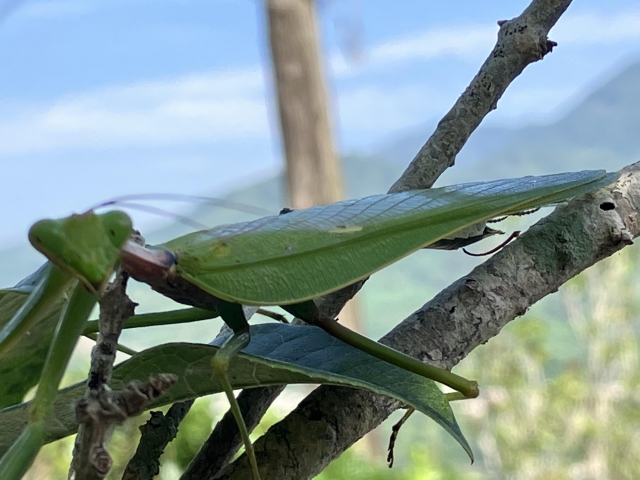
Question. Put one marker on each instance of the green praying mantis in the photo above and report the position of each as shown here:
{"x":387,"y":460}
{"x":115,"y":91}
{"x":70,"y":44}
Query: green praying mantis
{"x":286,"y":260}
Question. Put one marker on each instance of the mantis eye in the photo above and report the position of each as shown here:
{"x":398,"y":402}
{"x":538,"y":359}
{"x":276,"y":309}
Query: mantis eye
{"x":118,"y":226}
{"x":46,"y":234}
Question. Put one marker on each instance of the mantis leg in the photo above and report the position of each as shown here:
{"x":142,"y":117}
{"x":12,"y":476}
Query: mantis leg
{"x":308,"y":312}
{"x":233,"y":315}
{"x":43,"y":297}
{"x":17,"y":460}
{"x":21,"y":455}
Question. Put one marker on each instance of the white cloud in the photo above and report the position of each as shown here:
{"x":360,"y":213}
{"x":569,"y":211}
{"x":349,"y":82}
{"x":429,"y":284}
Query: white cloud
{"x":458,"y":42}
{"x":463,"y":42}
{"x":374,"y":109}
{"x":473,"y":41}
{"x":208,"y":107}
{"x":200,"y":108}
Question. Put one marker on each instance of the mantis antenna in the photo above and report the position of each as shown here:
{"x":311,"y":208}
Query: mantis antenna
{"x":177,"y":197}
{"x":132,"y":202}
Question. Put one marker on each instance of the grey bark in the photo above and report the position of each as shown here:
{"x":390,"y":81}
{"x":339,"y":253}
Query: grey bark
{"x":519,"y":44}
{"x":521,"y":41}
{"x":91,"y":459}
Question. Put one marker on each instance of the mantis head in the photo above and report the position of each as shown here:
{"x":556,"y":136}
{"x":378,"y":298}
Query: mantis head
{"x":85,"y":245}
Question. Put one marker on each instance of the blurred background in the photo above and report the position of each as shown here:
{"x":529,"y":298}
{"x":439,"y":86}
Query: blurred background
{"x":103,"y":98}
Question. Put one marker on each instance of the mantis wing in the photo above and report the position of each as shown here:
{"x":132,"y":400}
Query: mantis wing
{"x":304,"y":254}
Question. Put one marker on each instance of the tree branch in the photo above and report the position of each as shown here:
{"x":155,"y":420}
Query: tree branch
{"x":102,"y":409}
{"x":461,"y":317}
{"x":90,"y":456}
{"x":225,"y":441}
{"x":159,"y":430}
{"x":521,"y":41}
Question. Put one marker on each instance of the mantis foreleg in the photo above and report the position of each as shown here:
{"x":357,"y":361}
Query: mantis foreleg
{"x":19,"y":458}
{"x":41,"y":300}
{"x":233,"y":315}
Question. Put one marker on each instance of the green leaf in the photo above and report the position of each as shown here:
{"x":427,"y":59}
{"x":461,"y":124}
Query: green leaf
{"x":20,"y":367}
{"x":307,"y":253}
{"x":277,"y":354}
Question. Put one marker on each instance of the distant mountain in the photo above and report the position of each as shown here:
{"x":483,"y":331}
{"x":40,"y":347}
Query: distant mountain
{"x":600,"y":132}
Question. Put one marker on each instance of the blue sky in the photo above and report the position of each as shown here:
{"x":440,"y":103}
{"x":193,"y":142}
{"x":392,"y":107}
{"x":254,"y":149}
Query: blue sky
{"x":102,"y":98}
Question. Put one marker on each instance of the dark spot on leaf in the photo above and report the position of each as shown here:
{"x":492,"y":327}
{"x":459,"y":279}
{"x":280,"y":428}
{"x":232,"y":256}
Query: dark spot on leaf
{"x":452,"y":309}
{"x":112,"y":232}
{"x":607,"y":206}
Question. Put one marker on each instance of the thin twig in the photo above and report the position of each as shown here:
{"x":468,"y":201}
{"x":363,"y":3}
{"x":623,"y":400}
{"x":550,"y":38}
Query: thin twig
{"x":521,"y":41}
{"x":115,"y":308}
{"x":102,"y":409}
{"x":156,"y":434}
{"x":394,"y":435}
{"x":395,"y":430}
{"x":278,"y":317}
{"x":513,"y":236}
